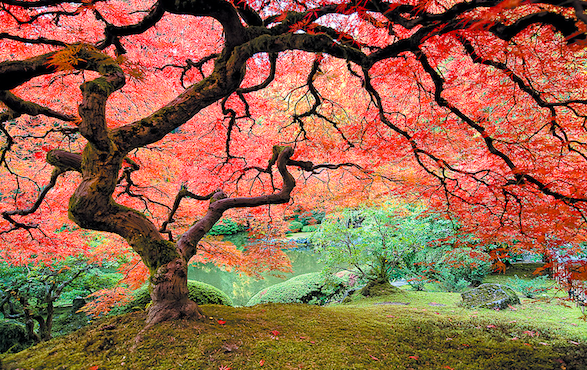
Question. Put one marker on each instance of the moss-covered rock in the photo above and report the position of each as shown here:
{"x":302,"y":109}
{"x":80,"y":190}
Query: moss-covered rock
{"x":492,"y":296}
{"x":199,"y":292}
{"x":13,"y":337}
{"x":312,"y":288}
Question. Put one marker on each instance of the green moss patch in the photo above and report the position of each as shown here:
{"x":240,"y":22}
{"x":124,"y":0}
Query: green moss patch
{"x":432,"y":332}
{"x":378,"y":289}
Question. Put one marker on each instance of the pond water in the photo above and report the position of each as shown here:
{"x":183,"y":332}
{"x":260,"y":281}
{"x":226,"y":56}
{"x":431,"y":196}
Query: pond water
{"x":240,"y":288}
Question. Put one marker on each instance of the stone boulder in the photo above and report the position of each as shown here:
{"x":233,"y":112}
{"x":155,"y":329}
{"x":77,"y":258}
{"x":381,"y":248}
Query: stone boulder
{"x":493,"y":296}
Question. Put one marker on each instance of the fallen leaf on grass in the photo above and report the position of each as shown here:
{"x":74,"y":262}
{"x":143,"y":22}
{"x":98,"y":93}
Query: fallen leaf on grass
{"x":413,"y":357}
{"x":274,"y":334}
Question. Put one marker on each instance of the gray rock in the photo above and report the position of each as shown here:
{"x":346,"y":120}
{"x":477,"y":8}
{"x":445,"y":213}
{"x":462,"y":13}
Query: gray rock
{"x":493,"y":296}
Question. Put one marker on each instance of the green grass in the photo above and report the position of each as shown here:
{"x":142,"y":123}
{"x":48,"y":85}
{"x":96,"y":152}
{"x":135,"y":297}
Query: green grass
{"x":407,"y":330}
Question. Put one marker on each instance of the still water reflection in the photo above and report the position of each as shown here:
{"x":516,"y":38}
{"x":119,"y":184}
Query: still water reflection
{"x":240,"y":288}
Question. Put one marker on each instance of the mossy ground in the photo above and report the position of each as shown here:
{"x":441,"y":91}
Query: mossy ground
{"x":376,"y":333}
{"x":409,"y":330}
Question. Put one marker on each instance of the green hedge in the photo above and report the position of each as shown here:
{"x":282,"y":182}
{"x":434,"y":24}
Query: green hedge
{"x":309,"y":228}
{"x":199,"y":292}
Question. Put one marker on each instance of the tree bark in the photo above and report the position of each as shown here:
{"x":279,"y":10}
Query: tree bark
{"x":169,"y":294}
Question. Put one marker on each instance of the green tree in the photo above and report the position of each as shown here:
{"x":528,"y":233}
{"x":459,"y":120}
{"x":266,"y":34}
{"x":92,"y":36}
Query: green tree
{"x":379,"y":242}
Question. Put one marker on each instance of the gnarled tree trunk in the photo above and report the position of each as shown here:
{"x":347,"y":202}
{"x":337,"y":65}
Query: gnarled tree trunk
{"x":169,"y":294}
{"x":92,"y":206}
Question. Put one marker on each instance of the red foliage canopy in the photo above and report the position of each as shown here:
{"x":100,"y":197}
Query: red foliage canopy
{"x":474,"y":107}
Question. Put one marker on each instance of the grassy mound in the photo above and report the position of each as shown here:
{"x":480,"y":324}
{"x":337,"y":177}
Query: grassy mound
{"x":312,"y":288}
{"x":424,"y":331}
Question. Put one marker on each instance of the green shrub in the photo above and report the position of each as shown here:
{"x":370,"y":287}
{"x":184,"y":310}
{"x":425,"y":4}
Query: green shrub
{"x":449,"y":282}
{"x":199,"y":292}
{"x":309,"y":228}
{"x":529,"y":288}
{"x":419,"y":266}
{"x":225,"y":227}
{"x":13,"y":337}
{"x":312,"y":288}
{"x":295,"y":226}
{"x":459,"y":268}
{"x":467,"y":264}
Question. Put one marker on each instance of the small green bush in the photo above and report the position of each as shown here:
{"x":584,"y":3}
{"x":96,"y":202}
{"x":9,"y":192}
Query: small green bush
{"x":466,"y":264}
{"x":449,"y":282}
{"x":312,"y":288}
{"x":529,"y":288}
{"x":13,"y":337}
{"x":295,"y":226}
{"x":199,"y":292}
{"x":225,"y":227}
{"x":309,"y":228}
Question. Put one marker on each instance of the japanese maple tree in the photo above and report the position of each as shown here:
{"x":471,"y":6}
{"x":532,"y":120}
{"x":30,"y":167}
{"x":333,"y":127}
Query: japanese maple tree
{"x":151,"y":120}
